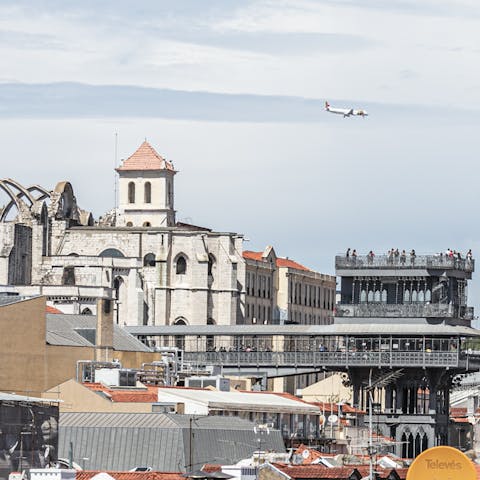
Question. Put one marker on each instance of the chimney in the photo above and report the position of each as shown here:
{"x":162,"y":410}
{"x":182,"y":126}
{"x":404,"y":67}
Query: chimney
{"x":104,"y":334}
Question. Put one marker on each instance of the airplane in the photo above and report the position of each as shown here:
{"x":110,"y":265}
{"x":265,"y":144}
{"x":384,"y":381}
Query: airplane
{"x":346,"y":112}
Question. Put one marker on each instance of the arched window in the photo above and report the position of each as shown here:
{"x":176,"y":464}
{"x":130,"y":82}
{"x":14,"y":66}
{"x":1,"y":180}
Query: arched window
{"x":149,"y":260}
{"x":428,"y":296}
{"x":384,"y":296}
{"x":129,"y":224}
{"x":370,"y":296}
{"x":181,"y":268}
{"x":86,"y":311}
{"x":180,"y":321}
{"x":421,"y":296}
{"x":363,"y":296}
{"x":112,"y":252}
{"x":414,"y":296}
{"x":406,"y":296}
{"x":147,"y":224}
{"x":148,"y":193}
{"x":131,"y":192}
{"x":377,"y":296}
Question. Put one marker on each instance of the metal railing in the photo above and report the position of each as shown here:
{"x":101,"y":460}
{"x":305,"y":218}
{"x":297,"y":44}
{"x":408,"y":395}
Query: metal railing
{"x":328,"y":359}
{"x":434,"y":310}
{"x":417,"y":261}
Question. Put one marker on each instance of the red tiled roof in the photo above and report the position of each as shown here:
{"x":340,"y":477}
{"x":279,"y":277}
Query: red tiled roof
{"x":333,"y":408}
{"x":88,"y":474}
{"x":145,"y":158}
{"x":147,"y":395}
{"x":287,"y":263}
{"x":281,"y":262}
{"x":211,"y":467}
{"x":49,"y":309}
{"x":321,"y":472}
{"x":252,"y":255}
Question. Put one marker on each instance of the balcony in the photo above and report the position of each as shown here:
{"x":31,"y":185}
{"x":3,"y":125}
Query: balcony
{"x":384,"y":310}
{"x":388,"y":262}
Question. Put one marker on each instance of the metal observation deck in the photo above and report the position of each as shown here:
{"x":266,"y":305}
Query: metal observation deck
{"x":437,"y":262}
{"x":289,"y":349}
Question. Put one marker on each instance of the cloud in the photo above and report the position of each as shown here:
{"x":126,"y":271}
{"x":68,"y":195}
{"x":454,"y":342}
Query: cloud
{"x":77,"y":100}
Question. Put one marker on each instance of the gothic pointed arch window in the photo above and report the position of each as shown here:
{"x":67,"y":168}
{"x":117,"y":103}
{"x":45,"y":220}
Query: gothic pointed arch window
{"x":370,"y":295}
{"x":377,"y":296}
{"x":414,"y":296}
{"x":421,"y":296}
{"x":363,"y":296}
{"x":131,"y":192}
{"x":406,"y":296}
{"x":428,"y":295}
{"x":181,"y":265}
{"x":148,"y":192}
{"x":384,"y":296}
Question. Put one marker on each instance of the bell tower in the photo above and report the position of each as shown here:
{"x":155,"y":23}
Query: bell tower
{"x":146,"y":194}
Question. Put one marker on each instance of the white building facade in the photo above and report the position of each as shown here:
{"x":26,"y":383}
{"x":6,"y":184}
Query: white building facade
{"x":158,"y":271}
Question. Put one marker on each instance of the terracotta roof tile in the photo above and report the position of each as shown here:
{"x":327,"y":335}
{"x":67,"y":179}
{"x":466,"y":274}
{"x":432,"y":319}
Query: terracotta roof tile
{"x":145,"y":158}
{"x":147,"y":395}
{"x":287,"y":263}
{"x":49,"y":309}
{"x":211,"y":467}
{"x":252,"y":255}
{"x":88,"y":474}
{"x":318,"y":471}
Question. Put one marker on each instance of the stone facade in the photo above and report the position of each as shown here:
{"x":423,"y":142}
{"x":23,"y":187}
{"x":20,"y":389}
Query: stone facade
{"x":157,"y":271}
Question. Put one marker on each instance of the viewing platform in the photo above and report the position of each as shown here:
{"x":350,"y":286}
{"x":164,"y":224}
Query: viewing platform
{"x":436,"y":262}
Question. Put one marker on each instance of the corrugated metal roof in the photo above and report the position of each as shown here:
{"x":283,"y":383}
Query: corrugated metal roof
{"x":121,"y":441}
{"x":375,"y":326}
{"x":11,"y":397}
{"x":63,"y":329}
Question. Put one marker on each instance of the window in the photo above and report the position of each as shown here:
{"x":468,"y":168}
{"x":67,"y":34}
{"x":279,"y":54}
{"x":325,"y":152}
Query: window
{"x":147,"y":224}
{"x":68,"y":277}
{"x":149,"y":260}
{"x":86,"y":311}
{"x":131,"y":192}
{"x":148,"y":193}
{"x":181,"y":268}
{"x":129,"y":224}
{"x":112,"y":252}
{"x":211,"y":264}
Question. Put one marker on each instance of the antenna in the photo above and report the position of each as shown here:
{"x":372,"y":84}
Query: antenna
{"x":115,"y":181}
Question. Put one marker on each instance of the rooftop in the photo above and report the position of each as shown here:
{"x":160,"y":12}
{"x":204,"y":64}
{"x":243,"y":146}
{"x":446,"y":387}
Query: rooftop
{"x":80,"y":331}
{"x":427,"y":261}
{"x":148,"y":394}
{"x":145,"y":158}
{"x":281,"y":262}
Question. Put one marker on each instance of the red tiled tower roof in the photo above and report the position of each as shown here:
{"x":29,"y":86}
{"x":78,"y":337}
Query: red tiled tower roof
{"x":145,"y":158}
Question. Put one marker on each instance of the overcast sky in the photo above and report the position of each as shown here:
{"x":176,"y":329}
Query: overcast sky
{"x":232,"y":92}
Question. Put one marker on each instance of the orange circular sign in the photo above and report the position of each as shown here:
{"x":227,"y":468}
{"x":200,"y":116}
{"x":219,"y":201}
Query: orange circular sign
{"x":442,"y":463}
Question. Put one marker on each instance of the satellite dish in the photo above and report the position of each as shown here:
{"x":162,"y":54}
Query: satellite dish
{"x":332,"y":419}
{"x":305,"y":454}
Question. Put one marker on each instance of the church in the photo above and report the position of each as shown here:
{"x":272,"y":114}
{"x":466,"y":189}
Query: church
{"x":158,"y":271}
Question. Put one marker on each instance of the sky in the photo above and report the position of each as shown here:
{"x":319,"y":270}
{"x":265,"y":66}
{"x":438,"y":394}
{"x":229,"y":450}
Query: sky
{"x":233,"y":91}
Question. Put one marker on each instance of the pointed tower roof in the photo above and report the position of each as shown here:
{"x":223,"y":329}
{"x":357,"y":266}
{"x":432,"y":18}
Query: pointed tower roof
{"x":145,"y":158}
